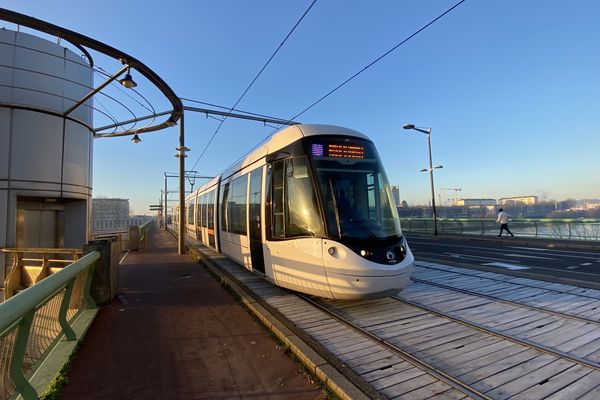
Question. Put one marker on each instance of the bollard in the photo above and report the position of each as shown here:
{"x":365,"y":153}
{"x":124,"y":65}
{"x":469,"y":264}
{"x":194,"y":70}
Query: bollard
{"x":105,"y":282}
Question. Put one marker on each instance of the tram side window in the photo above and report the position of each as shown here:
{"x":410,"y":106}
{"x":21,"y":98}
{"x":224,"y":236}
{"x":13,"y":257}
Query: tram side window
{"x":295,"y":209}
{"x":236,"y":205}
{"x":190,"y":215}
{"x":211,"y":209}
{"x":202,"y":218}
{"x":224,"y":200}
{"x":277,"y":176}
{"x":302,"y":217}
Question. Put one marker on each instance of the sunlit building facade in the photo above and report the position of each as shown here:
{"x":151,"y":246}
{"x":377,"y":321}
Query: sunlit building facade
{"x":519,"y":200}
{"x":475,"y":202}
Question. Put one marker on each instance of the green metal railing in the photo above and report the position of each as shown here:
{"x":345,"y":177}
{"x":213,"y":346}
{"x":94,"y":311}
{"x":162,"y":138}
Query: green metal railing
{"x":143,"y":231}
{"x":543,"y":228}
{"x":33,"y":321}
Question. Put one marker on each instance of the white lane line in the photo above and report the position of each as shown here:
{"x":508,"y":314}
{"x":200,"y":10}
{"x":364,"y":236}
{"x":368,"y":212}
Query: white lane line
{"x":563,"y":253}
{"x":471,"y":257}
{"x":573,"y":267}
{"x":526,"y":256}
{"x":512,"y":267}
{"x":585,"y":264}
{"x":530,"y":248}
{"x":122,"y":258}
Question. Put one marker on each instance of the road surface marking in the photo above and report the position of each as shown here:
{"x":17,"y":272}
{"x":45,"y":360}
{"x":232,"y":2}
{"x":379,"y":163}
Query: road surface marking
{"x":573,"y":267}
{"x":530,"y":248}
{"x":585,"y":264}
{"x":526,"y":256}
{"x":512,"y":267}
{"x":127,"y":252}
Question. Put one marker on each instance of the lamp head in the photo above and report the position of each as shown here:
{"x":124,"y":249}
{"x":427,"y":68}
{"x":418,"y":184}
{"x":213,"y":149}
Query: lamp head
{"x":128,"y":81}
{"x":409,"y":126}
{"x":136,"y":138}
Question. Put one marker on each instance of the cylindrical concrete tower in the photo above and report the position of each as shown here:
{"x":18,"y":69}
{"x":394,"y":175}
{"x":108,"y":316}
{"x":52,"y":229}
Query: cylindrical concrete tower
{"x":45,"y":155}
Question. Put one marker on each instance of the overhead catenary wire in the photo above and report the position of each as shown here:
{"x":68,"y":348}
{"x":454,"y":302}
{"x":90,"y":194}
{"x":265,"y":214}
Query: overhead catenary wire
{"x":255,"y":79}
{"x":376,"y":60}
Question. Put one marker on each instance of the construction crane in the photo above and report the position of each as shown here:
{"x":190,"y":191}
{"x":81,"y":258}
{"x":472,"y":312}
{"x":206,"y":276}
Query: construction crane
{"x":456,"y":190}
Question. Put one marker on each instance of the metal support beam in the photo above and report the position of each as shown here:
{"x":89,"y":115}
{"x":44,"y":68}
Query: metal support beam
{"x":182,"y":149}
{"x":241,"y":116}
{"x":130,"y":121}
{"x":93,"y":92}
{"x":166,"y":208}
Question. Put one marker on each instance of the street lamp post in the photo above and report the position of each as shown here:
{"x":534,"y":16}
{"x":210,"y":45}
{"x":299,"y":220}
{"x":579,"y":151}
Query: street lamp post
{"x":430,"y":169}
{"x":181,"y":149}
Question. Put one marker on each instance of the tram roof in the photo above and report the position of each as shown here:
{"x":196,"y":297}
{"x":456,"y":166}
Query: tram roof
{"x":281,"y":139}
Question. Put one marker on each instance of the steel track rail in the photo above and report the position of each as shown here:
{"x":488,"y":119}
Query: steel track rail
{"x":510,"y":302}
{"x":517,"y":274}
{"x":523,"y":342}
{"x":439,"y":374}
{"x":504,"y":281}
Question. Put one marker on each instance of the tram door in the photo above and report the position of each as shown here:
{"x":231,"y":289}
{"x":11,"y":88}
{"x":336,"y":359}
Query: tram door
{"x":256,"y":239}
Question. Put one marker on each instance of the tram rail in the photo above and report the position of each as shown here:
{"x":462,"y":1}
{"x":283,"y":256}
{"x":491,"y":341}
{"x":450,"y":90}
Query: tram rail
{"x":506,"y":301}
{"x":581,"y":299}
{"x":416,"y":347}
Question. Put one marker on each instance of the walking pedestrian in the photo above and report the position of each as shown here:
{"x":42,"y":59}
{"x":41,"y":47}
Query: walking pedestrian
{"x":503,"y":220}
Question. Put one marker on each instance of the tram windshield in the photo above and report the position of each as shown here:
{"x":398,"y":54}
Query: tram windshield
{"x":356,"y":194}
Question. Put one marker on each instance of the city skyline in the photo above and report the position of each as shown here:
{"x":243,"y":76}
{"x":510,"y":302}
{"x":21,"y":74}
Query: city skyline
{"x":509,"y":89}
{"x":446,"y":199}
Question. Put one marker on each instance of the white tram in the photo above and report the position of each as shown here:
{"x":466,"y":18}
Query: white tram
{"x":310,"y":210}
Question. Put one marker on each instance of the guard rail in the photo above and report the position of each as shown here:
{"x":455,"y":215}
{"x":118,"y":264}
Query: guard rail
{"x":35,"y":321}
{"x":543,"y":228}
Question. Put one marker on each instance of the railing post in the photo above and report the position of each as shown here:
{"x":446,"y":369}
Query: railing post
{"x":87,"y":290}
{"x":16,"y":366}
{"x":569,"y":226}
{"x":482,"y":227}
{"x":62,"y":313}
{"x":460,"y":225}
{"x":105,"y":283}
{"x":536,"y":229}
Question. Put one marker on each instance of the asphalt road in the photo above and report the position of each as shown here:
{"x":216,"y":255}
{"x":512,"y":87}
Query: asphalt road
{"x":539,"y":260}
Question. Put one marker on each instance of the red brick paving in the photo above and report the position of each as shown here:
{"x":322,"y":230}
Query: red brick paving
{"x":175,"y":333}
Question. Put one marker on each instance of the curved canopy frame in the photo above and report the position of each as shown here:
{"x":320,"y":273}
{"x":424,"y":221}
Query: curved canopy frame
{"x":83,"y":43}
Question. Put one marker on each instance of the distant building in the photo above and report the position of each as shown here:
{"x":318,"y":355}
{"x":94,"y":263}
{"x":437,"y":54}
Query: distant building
{"x":110,"y":214}
{"x":519,"y":200}
{"x":475,"y":202}
{"x":396,"y":195}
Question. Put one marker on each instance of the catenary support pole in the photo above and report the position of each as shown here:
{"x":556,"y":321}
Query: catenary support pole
{"x":182,"y":156}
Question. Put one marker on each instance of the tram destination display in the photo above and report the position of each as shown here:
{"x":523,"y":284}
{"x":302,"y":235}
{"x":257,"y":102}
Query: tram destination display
{"x":338,"y":150}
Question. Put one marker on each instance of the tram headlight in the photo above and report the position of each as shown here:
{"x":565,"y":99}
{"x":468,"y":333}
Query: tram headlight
{"x":365,"y":253}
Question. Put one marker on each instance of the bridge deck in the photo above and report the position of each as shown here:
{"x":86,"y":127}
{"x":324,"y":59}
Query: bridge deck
{"x":174,"y":332}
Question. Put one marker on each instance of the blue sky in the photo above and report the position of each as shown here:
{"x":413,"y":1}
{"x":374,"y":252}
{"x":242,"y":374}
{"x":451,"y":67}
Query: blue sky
{"x":510,"y":88}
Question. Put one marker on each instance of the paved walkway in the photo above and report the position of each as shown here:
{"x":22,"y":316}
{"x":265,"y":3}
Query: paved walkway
{"x":175,"y":333}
